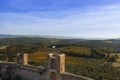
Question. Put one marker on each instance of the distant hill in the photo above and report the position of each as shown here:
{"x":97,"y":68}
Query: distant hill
{"x":32,"y":36}
{"x":59,"y":41}
{"x":6,"y":36}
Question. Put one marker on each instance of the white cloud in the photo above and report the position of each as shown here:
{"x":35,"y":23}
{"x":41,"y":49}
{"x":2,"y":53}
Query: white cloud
{"x":102,"y":21}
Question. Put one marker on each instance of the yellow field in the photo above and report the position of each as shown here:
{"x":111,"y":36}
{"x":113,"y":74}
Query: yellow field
{"x":42,"y":56}
{"x":38,"y":56}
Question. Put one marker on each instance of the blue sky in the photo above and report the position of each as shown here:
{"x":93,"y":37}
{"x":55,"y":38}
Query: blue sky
{"x":72,"y":18}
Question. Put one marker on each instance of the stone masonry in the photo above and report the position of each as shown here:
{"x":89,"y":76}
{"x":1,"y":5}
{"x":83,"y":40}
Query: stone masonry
{"x":21,"y":70}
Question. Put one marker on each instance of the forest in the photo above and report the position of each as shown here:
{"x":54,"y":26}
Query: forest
{"x":83,"y":57}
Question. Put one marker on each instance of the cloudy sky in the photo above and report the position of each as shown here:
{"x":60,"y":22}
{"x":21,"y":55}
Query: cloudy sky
{"x":72,"y":18}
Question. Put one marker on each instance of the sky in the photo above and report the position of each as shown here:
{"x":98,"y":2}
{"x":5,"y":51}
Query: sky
{"x":71,"y":18}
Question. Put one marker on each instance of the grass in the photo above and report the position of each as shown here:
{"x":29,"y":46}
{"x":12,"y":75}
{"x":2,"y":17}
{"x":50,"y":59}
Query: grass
{"x":38,"y":56}
{"x":42,"y":56}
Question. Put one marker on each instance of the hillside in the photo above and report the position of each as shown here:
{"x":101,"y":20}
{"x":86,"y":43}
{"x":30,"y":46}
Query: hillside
{"x":114,"y":44}
{"x":83,"y":57}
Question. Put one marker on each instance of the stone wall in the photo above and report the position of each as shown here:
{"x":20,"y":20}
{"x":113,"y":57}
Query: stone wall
{"x":55,"y":70}
{"x":12,"y":71}
{"x":69,"y":76}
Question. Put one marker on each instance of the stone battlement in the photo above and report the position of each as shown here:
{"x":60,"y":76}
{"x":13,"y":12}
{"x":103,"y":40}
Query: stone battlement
{"x":20,"y":70}
{"x":22,"y":67}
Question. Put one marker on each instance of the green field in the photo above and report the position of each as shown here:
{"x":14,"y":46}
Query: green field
{"x":90,"y":67}
{"x":83,"y":57}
